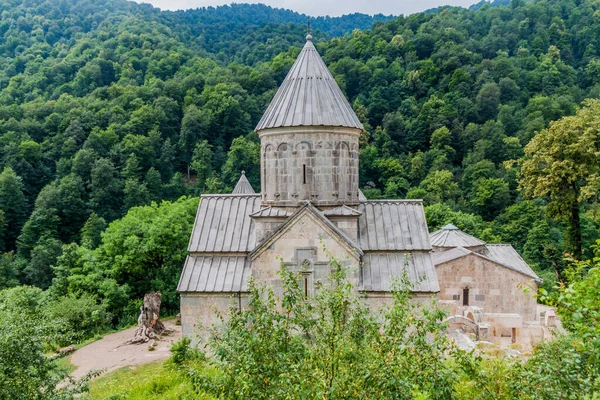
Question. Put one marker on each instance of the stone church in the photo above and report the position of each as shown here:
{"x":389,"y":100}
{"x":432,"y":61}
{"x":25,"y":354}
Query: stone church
{"x":309,"y":199}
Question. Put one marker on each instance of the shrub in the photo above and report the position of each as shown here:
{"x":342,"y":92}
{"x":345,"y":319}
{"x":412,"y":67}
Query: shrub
{"x":25,"y":331}
{"x":78,"y":318}
{"x":182,"y":351}
{"x":332,"y":345}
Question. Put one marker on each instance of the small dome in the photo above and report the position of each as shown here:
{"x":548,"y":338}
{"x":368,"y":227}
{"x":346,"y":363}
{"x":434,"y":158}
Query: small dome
{"x":450,"y":227}
{"x":450,"y":236}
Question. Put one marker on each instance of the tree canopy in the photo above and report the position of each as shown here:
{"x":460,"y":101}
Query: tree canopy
{"x":110,"y":105}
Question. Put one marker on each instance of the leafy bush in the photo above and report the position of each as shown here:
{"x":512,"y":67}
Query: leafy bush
{"x":130,"y":313}
{"x":564,"y":368}
{"x":332,"y":346}
{"x":78,"y":317}
{"x":182,"y":351}
{"x":25,"y":332}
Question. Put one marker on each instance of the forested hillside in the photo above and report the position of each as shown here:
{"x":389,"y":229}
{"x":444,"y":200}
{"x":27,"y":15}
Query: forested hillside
{"x":109,"y":105}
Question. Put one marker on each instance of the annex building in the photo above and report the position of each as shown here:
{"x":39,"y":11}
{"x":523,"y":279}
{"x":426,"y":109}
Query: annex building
{"x":309,"y":199}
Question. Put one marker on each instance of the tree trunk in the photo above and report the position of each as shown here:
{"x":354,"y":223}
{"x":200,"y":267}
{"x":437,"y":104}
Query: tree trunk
{"x":575,"y":228}
{"x":149,"y":325}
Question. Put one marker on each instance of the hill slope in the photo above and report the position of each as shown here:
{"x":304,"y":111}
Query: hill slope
{"x":108,"y":105}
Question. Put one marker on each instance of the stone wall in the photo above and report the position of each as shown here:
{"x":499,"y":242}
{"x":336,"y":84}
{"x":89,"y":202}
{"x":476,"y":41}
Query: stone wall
{"x":493,"y":287}
{"x":301,"y":247}
{"x":319,"y":164}
{"x":199,"y":310}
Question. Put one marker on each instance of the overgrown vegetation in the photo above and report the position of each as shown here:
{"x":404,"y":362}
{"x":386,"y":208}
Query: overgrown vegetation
{"x":161,"y":380}
{"x":120,"y":105}
{"x":331,"y":346}
{"x":27,"y":333}
{"x":110,"y":111}
{"x":87,"y":297}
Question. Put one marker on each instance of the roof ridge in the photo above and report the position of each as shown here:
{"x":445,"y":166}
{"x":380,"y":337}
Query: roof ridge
{"x":315,"y":211}
{"x":231,"y":195}
{"x":467,"y":252}
{"x":393,"y":201}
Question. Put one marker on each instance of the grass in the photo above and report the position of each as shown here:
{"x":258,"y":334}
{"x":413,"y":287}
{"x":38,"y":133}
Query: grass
{"x":160,"y":380}
{"x":64,"y":363}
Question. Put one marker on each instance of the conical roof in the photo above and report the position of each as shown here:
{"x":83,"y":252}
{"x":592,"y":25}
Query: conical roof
{"x":451,"y":236}
{"x":309,"y":96}
{"x":243,"y":186}
{"x":361,"y":196}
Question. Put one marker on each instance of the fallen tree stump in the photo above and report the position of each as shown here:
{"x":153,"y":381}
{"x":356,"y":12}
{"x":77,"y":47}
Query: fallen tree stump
{"x":62,"y":352}
{"x":149,"y":325}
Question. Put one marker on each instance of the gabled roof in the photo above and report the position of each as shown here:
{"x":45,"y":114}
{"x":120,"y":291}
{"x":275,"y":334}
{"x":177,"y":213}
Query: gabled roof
{"x":451,"y":236}
{"x":441,"y":257}
{"x":380,"y":269}
{"x":307,"y":207}
{"x":223,"y":224}
{"x":243,"y":186}
{"x":342,"y":211}
{"x":214,"y":274}
{"x":507,"y":255}
{"x":504,"y":255}
{"x":392,"y":225}
{"x":309,"y":96}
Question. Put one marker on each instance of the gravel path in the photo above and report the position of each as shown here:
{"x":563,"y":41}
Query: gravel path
{"x":106,"y":353}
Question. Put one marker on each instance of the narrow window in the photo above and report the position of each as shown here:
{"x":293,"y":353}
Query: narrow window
{"x":465,"y":296}
{"x":304,"y":174}
{"x":306,"y":286}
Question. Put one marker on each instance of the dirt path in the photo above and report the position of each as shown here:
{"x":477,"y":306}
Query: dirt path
{"x":105,"y":353}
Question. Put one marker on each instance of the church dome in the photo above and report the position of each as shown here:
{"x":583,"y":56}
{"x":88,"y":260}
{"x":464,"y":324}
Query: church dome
{"x":309,"y":96}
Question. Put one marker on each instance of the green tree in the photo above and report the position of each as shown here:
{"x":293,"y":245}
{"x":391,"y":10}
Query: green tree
{"x":43,"y":256}
{"x":489,"y":197}
{"x":440,"y":187}
{"x":91,"y":231}
{"x":202,"y":161}
{"x":8,"y":272}
{"x":146,"y":249}
{"x":12,"y":204}
{"x":153,"y":182}
{"x":561,"y":163}
{"x":25,"y":370}
{"x":136,"y":194}
{"x":439,"y":215}
{"x":106,"y":189}
{"x":243,"y":155}
{"x":194,"y":128}
{"x":42,"y":223}
{"x":488,"y":100}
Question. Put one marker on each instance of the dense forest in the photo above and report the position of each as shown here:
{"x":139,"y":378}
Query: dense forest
{"x":109,"y":105}
{"x":115,"y":115}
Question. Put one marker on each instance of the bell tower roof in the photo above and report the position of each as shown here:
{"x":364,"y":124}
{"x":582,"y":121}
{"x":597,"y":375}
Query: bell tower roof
{"x":243,"y":186}
{"x":309,"y":96}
